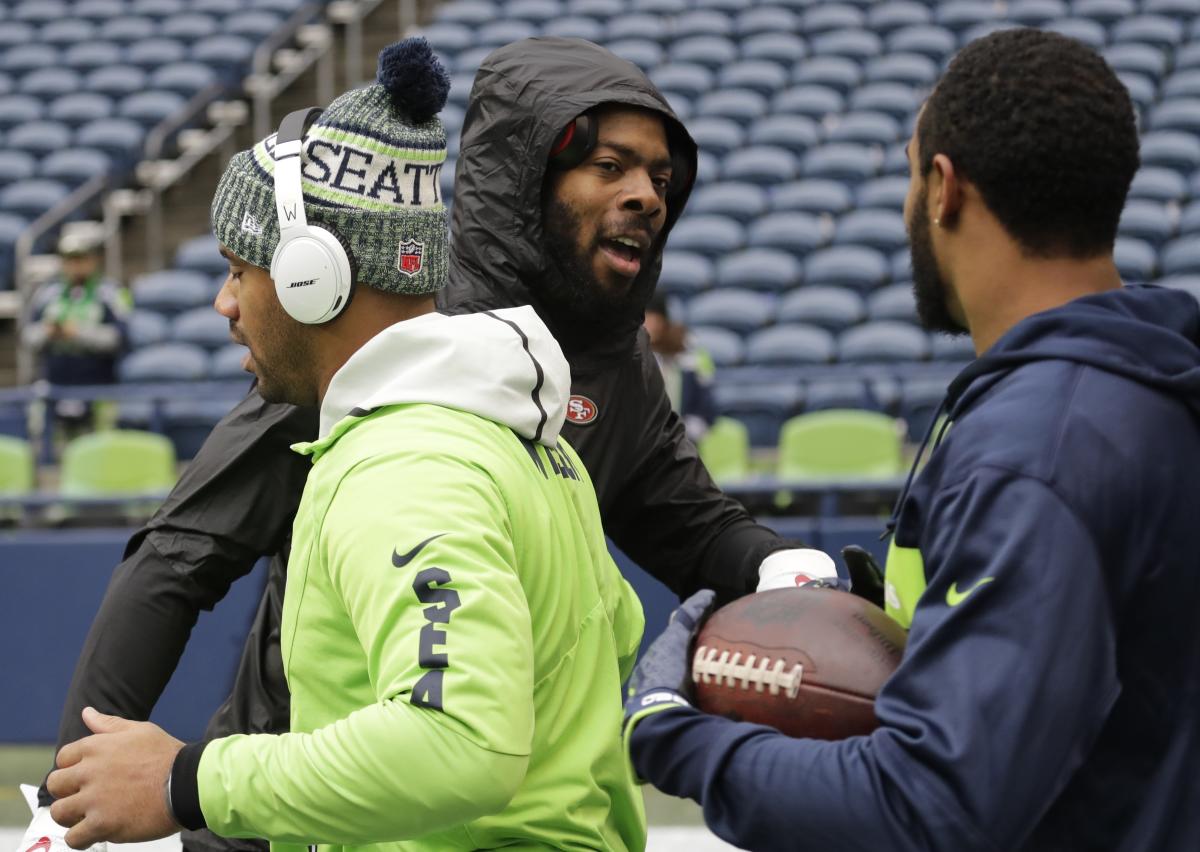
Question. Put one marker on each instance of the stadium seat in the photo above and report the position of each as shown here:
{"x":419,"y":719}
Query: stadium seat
{"x":738,"y":104}
{"x":765,"y":165}
{"x":151,"y":107}
{"x":1182,"y":84}
{"x":588,"y":29}
{"x":840,"y":444}
{"x":852,"y":266}
{"x":49,"y":83}
{"x":1187,"y":283}
{"x":813,"y":196}
{"x":832,"y":308}
{"x":643,"y":53}
{"x":152,"y":53}
{"x":859,"y":45}
{"x":792,"y":231}
{"x":893,"y":302}
{"x":815,"y":102}
{"x":23,"y":58}
{"x":117,"y":462}
{"x":255,"y":25}
{"x":96,"y":11}
{"x":702,"y":22}
{"x":737,"y":310}
{"x":448,"y":37}
{"x":757,"y":75}
{"x":684,"y":273}
{"x":16,"y":110}
{"x":80,"y":108}
{"x":17,"y":469}
{"x":686,"y":77}
{"x":115,"y":81}
{"x":74,"y":166}
{"x":880,"y":229}
{"x":226,"y":363}
{"x":961,"y":15}
{"x":897,"y":100}
{"x":833,"y":72}
{"x":708,"y":167}
{"x":15,"y":166}
{"x":762,"y":21}
{"x":1157,"y":30}
{"x":120,"y":138}
{"x":1158,"y":184}
{"x":883,"y":341}
{"x":17,"y":33}
{"x":714,"y":52}
{"x":847,"y":162}
{"x":928,"y":40}
{"x":984,"y":28}
{"x":1181,"y":9}
{"x":1106,"y":12}
{"x":640,"y":27}
{"x":533,"y":11}
{"x":796,"y":133}
{"x":708,"y":234}
{"x":1143,"y":59}
{"x":725,"y":450}
{"x":681,"y":105}
{"x":145,"y":328}
{"x":920,"y":400}
{"x":164,"y":362}
{"x":718,"y":135}
{"x":190,"y":28}
{"x":794,"y":344}
{"x":172,"y":290}
{"x":1180,"y":256}
{"x":1189,"y":219}
{"x":1146,"y":220}
{"x":910,"y":68}
{"x":762,"y":409}
{"x":1090,"y":33}
{"x":202,"y":326}
{"x":946,"y":347}
{"x":601,"y":9}
{"x":870,"y":128}
{"x":31,"y":198}
{"x":764,"y":269}
{"x":723,"y":346}
{"x":230,"y":55}
{"x":826,"y":17}
{"x":38,"y":137}
{"x":741,"y":201}
{"x":1171,"y":149}
{"x":183,"y":78}
{"x":886,"y":193}
{"x":1035,"y":13}
{"x":892,"y":15}
{"x":127,"y":29}
{"x":1176,"y":114}
{"x":837,"y":393}
{"x":776,"y":45}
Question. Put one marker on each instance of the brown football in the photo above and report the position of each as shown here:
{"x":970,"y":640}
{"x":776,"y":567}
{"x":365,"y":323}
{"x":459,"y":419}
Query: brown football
{"x":808,"y":662}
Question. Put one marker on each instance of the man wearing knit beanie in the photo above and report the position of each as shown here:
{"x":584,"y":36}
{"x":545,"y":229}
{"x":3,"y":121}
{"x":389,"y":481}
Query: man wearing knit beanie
{"x":454,"y":631}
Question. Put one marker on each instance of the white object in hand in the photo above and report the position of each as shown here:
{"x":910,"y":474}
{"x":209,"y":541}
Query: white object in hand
{"x":44,"y":834}
{"x":786,"y":569}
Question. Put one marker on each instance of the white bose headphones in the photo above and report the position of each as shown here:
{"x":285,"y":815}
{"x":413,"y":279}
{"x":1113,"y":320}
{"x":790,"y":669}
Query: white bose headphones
{"x":312,"y":269}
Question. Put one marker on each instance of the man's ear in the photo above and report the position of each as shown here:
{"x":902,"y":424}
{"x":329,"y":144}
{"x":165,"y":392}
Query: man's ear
{"x":945,"y":190}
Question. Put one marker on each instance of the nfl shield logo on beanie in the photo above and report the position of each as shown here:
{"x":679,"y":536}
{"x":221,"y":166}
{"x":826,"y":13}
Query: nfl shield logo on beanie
{"x":411,"y":253}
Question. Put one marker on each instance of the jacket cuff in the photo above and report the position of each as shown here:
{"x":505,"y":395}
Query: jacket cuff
{"x":184,"y":790}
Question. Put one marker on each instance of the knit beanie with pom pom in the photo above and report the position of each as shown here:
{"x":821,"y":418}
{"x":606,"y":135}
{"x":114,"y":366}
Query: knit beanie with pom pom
{"x":370,"y":169}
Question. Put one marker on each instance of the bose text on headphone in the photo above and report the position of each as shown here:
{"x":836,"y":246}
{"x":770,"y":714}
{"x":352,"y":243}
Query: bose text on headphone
{"x":311,"y":267}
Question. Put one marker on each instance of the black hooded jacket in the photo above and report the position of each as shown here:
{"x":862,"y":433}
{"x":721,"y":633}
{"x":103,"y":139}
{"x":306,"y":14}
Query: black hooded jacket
{"x":236,"y":501}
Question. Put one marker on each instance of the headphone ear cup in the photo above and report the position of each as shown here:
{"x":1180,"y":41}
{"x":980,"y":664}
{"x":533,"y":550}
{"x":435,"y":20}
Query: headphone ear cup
{"x":314,"y":274}
{"x":576,"y":141}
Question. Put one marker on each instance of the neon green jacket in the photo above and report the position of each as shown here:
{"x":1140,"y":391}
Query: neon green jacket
{"x":454,"y":631}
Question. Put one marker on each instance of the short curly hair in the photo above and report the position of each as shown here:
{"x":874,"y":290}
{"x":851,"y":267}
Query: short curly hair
{"x":1041,"y":125}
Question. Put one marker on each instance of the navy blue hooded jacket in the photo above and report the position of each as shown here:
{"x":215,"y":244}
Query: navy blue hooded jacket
{"x":1049,"y":696}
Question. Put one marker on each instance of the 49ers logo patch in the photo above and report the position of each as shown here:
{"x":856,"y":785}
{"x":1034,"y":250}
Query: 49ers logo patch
{"x":412,"y":255}
{"x":581,"y":410}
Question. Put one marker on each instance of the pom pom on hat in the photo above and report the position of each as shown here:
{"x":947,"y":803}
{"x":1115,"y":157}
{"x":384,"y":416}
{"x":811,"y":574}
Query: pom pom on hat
{"x":414,"y":78}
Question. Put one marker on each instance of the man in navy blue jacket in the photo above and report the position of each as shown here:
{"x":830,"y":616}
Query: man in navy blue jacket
{"x":1045,"y":559}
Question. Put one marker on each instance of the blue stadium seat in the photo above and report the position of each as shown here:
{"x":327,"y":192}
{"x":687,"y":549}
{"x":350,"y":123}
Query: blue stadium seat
{"x":1182,"y":84}
{"x":115,"y":81}
{"x":757,"y":75}
{"x":601,"y":9}
{"x":253,"y":24}
{"x":834,"y":72}
{"x":1154,"y":30}
{"x":795,"y":232}
{"x":893,"y":302}
{"x":738,"y":310}
{"x":777,"y":46}
{"x":1187,"y":283}
{"x":738,"y":104}
{"x":946,"y":347}
{"x":1189,"y":219}
{"x":732,"y":7}
{"x":22,"y":58}
{"x":659,"y":7}
{"x":1143,"y":91}
{"x":164,"y":362}
{"x":895,"y":161}
{"x":757,"y":22}
{"x":639,"y":27}
{"x":708,"y":235}
{"x":761,"y":408}
{"x":1035,"y":13}
{"x":6,"y":83}
{"x":928,"y":40}
{"x":702,"y":22}
{"x":911,"y":68}
{"x":859,"y":45}
{"x":960,"y":15}
{"x":49,"y":83}
{"x":813,"y":196}
{"x":202,"y":326}
{"x":852,"y":266}
{"x":74,"y":166}
{"x":985,"y":28}
{"x":815,"y":102}
{"x":226,"y":362}
{"x":469,"y":12}
{"x":1181,"y":9}
{"x":15,"y":166}
{"x":711,"y":51}
{"x":685,"y":77}
{"x":201,"y":254}
{"x":764,"y":269}
{"x":127,"y":29}
{"x":838,"y":393}
{"x":149,"y":54}
{"x":1106,"y":12}
{"x":833,"y":308}
{"x":883,"y":341}
{"x":885,"y":193}
{"x":120,"y":138}
{"x":901,"y":265}
{"x":157,"y":10}
{"x":1143,"y":59}
{"x":183,"y":78}
{"x":1089,"y":32}
{"x":920,"y":400}
{"x":16,"y":110}
{"x":789,"y":345}
{"x":38,"y":137}
{"x":1177,"y":114}
{"x":80,"y":108}
{"x":172,"y":290}
{"x":97,"y":11}
{"x":230,"y":55}
{"x":880,"y":229}
{"x":448,"y":37}
{"x":841,"y":161}
{"x":765,"y":165}
{"x":191,"y":28}
{"x":641,"y":52}
{"x":892,"y":15}
{"x":1158,"y":184}
{"x":460,"y":88}
{"x":870,"y":128}
{"x":1181,"y":256}
{"x":40,"y":11}
{"x":826,"y":17}
{"x":708,"y":168}
{"x":718,"y":135}
{"x":684,"y":273}
{"x":151,"y":107}
{"x":145,"y":328}
{"x":796,"y":133}
{"x":741,"y":201}
{"x":66,"y":32}
{"x":533,"y":11}
{"x":894,"y":99}
{"x":1171,"y":149}
{"x":17,"y":33}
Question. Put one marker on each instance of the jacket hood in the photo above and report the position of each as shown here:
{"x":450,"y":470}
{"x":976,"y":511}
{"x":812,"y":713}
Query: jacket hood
{"x":1148,"y":334}
{"x":502,"y":365}
{"x":524,"y":94}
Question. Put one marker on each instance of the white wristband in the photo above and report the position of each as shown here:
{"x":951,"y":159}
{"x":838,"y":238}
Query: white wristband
{"x":786,"y":569}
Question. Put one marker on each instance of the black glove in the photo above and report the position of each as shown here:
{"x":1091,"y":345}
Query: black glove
{"x":866,"y":577}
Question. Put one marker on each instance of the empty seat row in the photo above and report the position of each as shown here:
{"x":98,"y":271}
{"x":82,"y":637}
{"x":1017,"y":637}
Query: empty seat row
{"x":799,"y":344}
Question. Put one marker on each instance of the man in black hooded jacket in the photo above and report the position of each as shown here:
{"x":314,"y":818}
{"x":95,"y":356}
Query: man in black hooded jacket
{"x":236,"y":500}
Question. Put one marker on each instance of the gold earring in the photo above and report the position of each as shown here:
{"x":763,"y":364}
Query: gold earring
{"x":938,"y":222}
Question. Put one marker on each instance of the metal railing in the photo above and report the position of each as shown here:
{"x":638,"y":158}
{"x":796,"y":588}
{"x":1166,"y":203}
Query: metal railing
{"x":316,"y":48}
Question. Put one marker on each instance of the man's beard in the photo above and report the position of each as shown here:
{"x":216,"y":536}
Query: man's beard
{"x":929,"y":287}
{"x":570,"y":290}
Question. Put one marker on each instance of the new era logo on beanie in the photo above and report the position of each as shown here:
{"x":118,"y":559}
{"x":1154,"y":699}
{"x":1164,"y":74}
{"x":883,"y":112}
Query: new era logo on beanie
{"x":370,"y":170}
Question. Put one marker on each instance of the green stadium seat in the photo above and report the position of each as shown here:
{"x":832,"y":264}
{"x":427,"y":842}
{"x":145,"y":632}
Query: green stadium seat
{"x":117,"y":463}
{"x":725,"y":450}
{"x":840,"y":444}
{"x":16,"y":466}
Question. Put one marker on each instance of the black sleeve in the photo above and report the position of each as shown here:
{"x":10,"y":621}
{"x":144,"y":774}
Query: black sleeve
{"x":233,"y":504}
{"x":671,"y":518}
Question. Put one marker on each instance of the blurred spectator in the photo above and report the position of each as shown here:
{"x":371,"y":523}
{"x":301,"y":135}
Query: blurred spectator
{"x":78,"y":326}
{"x":687,"y":371}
